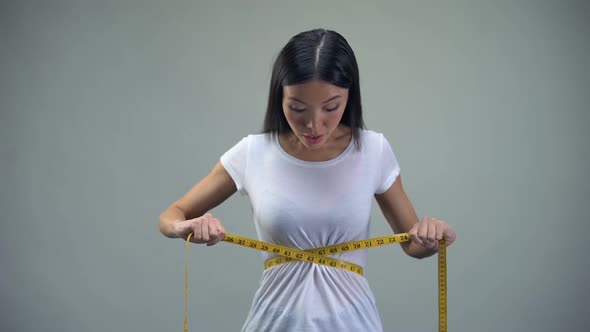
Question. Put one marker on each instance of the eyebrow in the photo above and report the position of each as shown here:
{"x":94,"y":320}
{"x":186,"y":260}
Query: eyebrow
{"x":301,"y":101}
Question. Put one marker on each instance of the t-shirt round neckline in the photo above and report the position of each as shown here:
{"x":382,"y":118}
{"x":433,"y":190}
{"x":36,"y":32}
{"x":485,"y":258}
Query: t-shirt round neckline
{"x":306,"y":163}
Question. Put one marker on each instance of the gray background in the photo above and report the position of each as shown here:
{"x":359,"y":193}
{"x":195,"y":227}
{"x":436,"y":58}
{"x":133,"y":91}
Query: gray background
{"x":111,"y":110}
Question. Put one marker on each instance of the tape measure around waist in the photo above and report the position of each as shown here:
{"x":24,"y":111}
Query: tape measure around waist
{"x":319,"y":256}
{"x":316,"y":255}
{"x":309,"y":255}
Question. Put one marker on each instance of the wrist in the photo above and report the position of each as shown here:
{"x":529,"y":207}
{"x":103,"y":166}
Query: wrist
{"x":419,"y":251}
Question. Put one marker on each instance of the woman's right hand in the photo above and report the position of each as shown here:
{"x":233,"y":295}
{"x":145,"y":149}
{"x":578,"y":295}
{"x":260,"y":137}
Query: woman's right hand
{"x":205,"y":229}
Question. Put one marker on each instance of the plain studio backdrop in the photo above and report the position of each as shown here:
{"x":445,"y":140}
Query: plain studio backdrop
{"x":111,"y":110}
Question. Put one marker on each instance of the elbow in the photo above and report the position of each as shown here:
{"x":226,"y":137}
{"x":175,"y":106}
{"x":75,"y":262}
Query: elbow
{"x":165,"y":221}
{"x":161,"y":224}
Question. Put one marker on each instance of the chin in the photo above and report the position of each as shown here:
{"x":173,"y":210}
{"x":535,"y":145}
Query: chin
{"x":314,"y":146}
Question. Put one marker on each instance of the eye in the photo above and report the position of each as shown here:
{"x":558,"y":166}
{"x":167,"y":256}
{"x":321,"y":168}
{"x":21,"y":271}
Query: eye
{"x":298,"y":110}
{"x":332,"y":109}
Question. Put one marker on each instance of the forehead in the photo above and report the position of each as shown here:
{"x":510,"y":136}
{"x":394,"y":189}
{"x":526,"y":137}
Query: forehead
{"x":314,"y":91}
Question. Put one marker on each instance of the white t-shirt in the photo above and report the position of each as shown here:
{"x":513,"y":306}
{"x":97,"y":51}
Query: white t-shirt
{"x":303,"y":204}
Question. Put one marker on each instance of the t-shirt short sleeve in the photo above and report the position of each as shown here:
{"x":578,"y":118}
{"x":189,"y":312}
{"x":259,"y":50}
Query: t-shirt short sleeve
{"x":235,"y":161}
{"x":390,"y":167}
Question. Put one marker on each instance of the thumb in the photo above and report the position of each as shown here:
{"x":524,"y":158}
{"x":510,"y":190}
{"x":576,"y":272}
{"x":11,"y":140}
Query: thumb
{"x":449,"y":235}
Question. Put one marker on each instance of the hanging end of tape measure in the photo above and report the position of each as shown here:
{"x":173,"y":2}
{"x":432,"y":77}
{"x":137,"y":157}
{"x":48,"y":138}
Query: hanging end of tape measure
{"x":442,"y":285}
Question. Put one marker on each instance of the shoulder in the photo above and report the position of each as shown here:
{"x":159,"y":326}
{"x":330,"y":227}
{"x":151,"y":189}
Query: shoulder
{"x":259,"y":139}
{"x":370,"y":134}
{"x":370,"y":138}
{"x":254,"y":141}
{"x":254,"y":137}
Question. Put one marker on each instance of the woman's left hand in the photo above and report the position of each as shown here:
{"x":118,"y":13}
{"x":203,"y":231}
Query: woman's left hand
{"x":430,"y":230}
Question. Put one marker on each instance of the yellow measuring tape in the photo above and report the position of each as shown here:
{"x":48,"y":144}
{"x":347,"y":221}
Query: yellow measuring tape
{"x":319,"y":256}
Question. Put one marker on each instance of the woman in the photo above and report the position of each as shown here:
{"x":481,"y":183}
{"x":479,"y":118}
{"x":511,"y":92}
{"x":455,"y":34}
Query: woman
{"x":310,"y":177}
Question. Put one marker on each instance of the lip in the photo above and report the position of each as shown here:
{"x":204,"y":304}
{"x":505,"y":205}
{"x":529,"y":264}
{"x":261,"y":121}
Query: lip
{"x":313,"y":139}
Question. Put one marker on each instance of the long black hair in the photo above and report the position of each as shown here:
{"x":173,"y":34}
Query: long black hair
{"x":315,"y":54}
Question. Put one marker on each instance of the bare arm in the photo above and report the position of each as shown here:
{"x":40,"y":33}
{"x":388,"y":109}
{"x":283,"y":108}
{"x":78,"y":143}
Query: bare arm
{"x":208,"y":193}
{"x":401,"y":216}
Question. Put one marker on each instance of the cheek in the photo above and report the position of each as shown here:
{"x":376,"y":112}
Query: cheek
{"x":292,"y":118}
{"x":335,"y":117}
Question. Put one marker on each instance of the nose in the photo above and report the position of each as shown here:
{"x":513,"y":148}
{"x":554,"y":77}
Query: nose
{"x":314,"y":120}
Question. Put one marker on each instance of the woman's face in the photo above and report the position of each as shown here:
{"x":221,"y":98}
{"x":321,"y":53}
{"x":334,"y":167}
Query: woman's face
{"x":313,"y":110}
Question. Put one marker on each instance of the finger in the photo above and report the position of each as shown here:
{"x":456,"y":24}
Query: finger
{"x":414,"y":234}
{"x":196,"y":226}
{"x":221,"y":230}
{"x":449,"y":235}
{"x":213,"y":229}
{"x":205,"y":230}
{"x":431,"y":231}
{"x":212,"y":232}
{"x":423,"y":230}
{"x":439,"y":231}
{"x":189,"y":232}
